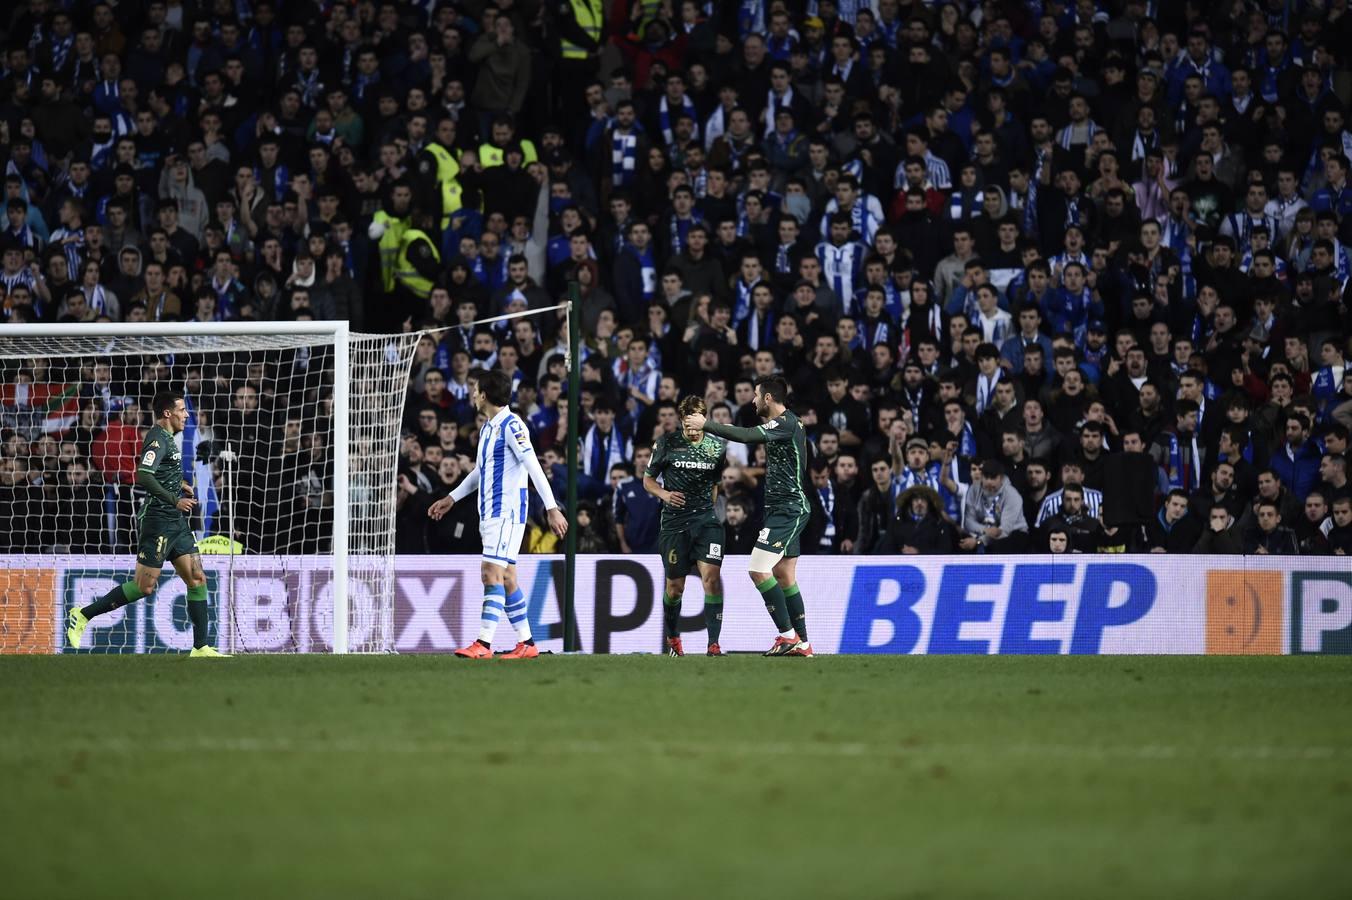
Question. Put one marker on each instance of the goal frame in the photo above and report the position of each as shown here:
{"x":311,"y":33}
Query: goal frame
{"x":338,"y":331}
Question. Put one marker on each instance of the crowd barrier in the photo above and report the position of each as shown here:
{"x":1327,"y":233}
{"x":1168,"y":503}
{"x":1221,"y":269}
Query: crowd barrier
{"x":903,"y":604}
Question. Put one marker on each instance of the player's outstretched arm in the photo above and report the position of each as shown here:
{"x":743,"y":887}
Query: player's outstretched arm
{"x":698,"y":422}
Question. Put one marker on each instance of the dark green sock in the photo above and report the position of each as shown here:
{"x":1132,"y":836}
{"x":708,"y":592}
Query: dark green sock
{"x":197,"y":612}
{"x":793,"y":598}
{"x":713,"y":616}
{"x":671,"y":616}
{"x":118,"y":597}
{"x":775,"y":604}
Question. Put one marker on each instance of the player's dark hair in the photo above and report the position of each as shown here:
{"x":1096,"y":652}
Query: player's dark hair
{"x":166,"y":401}
{"x":690,"y":405}
{"x":494,"y":385}
{"x":774,"y":387}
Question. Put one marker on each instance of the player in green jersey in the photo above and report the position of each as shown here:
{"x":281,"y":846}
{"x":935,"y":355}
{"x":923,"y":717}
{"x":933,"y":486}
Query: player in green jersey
{"x":688,"y":462}
{"x":162,"y":531}
{"x":774,"y":562}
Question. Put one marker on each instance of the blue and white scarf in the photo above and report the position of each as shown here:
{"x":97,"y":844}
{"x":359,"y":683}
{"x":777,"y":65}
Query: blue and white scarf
{"x":664,"y":118}
{"x":61,"y":51}
{"x":647,"y":267}
{"x":962,"y":206}
{"x":623,"y":158}
{"x":874,"y":332}
{"x":750,"y":18}
{"x":742,"y":306}
{"x":930,"y":477}
{"x":100,"y":155}
{"x":310,"y":88}
{"x":1067,"y":135}
{"x":680,"y":230}
{"x":714,"y":128}
{"x":985,"y":390}
{"x":773,"y":106}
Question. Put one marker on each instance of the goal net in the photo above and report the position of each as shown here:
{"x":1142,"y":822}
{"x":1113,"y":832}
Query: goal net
{"x":291,"y":448}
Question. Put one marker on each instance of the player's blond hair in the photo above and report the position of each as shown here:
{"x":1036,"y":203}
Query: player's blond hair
{"x":690,"y":405}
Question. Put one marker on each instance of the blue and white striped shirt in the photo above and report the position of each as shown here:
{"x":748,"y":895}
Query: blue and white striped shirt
{"x":843,"y":268}
{"x":504,"y":445}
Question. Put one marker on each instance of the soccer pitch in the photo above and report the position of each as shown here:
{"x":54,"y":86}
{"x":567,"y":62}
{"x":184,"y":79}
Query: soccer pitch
{"x":655,"y":777}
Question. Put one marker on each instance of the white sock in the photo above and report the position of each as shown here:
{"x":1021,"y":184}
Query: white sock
{"x":789,"y":634}
{"x":488,"y":619}
{"x":517,"y":615}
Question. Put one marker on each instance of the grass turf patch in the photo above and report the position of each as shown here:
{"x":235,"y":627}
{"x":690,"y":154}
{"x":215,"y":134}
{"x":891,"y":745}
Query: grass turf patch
{"x":653,"y":777}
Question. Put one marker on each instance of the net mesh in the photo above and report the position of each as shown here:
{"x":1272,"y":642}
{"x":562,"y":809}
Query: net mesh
{"x":258,"y":450}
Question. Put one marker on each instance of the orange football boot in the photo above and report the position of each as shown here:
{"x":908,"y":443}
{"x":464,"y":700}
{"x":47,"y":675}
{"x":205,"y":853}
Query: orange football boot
{"x":475,"y":650}
{"x":522,"y":651}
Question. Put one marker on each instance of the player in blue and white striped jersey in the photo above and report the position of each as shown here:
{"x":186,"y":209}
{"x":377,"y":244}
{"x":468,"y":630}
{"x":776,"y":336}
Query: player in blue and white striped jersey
{"x":506,"y":460}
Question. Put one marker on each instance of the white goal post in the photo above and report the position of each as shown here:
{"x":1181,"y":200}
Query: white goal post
{"x":368,"y":375}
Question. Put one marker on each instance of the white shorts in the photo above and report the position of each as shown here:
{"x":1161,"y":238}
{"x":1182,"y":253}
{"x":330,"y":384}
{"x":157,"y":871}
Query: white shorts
{"x":502,"y":540}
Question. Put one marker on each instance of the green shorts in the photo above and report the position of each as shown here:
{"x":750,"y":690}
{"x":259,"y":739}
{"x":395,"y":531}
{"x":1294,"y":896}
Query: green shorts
{"x":780,"y":532}
{"x":163,"y":538}
{"x":682,"y":549}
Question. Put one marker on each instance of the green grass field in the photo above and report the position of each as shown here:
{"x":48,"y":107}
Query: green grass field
{"x":650,"y":777}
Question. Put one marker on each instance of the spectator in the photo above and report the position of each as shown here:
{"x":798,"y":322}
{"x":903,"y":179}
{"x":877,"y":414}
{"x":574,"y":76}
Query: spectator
{"x":1268,"y":535}
{"x":739,"y":531}
{"x":1296,"y":459}
{"x":1340,"y":534}
{"x":877,"y":508}
{"x":1222,"y":534}
{"x":636,"y":512}
{"x":1173,"y":530}
{"x":919,"y":526}
{"x":992,"y":514}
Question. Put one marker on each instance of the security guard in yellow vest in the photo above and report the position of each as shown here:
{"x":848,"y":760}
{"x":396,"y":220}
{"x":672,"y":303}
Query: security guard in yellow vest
{"x":580,"y":29}
{"x":387,"y":227}
{"x":493,"y":153}
{"x":438,"y":170}
{"x":580,"y":25}
{"x":419,"y":264}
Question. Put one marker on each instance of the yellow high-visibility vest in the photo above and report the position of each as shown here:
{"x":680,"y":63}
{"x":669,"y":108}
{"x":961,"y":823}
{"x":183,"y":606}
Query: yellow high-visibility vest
{"x":490,"y":156}
{"x":389,"y":246}
{"x":448,"y":172}
{"x":418,"y":284}
{"x":589,"y":17}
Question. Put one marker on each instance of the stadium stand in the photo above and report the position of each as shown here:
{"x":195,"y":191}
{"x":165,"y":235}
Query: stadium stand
{"x":1040,"y":274}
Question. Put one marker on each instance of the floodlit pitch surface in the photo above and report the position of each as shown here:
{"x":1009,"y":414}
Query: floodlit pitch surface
{"x":655,"y":777}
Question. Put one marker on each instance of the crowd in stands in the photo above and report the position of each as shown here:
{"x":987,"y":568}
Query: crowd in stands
{"x":1043,"y":276}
